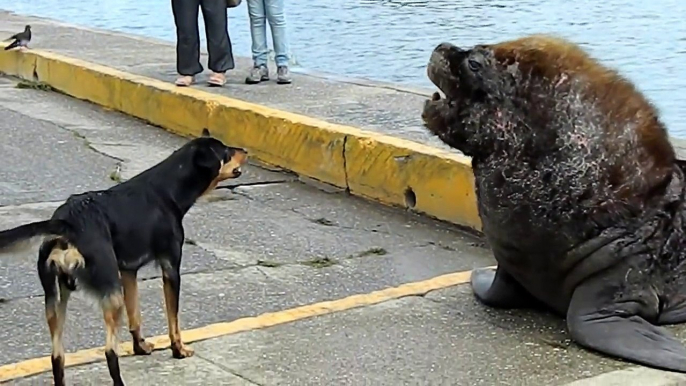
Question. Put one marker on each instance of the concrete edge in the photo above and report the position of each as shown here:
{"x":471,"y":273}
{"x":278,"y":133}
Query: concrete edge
{"x":382,"y":168}
{"x":633,"y":376}
{"x":39,"y":365}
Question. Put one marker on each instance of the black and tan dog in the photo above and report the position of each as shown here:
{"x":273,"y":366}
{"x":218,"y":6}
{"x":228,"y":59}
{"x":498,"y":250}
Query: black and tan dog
{"x":97,"y":241}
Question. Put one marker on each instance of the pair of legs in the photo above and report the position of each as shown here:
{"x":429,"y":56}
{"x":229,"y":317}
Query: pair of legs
{"x":606,"y":314}
{"x":188,"y":40}
{"x":116,"y":294}
{"x":172,"y":286}
{"x":262,"y":12}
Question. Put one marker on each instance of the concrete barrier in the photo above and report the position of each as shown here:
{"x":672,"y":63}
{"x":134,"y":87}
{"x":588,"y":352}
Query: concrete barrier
{"x":389,"y":170}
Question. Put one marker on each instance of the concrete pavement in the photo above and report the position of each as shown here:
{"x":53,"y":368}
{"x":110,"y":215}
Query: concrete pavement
{"x":264,"y":248}
{"x":248,"y":246}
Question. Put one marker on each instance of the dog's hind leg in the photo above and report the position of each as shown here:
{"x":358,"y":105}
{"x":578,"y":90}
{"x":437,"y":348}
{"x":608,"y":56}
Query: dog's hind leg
{"x":133,"y":312}
{"x":105,"y":283}
{"x":56,"y":313}
{"x":56,"y":299}
{"x":112,"y":309}
{"x":171,"y":277}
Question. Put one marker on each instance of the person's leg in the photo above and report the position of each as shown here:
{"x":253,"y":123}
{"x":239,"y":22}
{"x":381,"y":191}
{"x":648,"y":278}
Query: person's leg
{"x":277,"y":22}
{"x":218,"y":41}
{"x":258,"y":33}
{"x":187,"y":40}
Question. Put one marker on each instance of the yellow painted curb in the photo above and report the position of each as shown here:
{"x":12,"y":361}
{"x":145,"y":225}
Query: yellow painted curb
{"x":390,"y":170}
{"x":39,"y":365}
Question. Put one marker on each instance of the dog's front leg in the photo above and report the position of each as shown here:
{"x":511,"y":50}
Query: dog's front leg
{"x":133,"y":312}
{"x":171,"y":277}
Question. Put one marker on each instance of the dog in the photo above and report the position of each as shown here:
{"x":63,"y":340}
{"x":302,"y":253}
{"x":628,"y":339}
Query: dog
{"x":98,"y":240}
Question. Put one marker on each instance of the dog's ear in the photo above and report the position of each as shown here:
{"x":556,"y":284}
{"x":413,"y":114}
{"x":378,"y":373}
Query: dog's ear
{"x":205,"y":132}
{"x":206,"y":158}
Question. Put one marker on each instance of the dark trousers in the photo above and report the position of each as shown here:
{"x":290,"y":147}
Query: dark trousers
{"x":188,"y":36}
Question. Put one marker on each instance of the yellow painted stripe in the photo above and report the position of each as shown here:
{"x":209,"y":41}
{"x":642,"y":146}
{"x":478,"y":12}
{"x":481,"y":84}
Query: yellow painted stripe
{"x":38,"y":365}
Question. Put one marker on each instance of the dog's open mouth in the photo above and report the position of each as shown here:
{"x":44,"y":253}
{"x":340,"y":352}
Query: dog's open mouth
{"x":237,"y":172}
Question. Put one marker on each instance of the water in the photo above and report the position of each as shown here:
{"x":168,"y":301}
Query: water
{"x":390,"y":40}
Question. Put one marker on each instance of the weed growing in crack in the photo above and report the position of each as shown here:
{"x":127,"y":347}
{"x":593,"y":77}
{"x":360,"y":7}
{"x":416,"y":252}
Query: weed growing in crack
{"x":319,"y":262}
{"x":373,"y":251}
{"x":116,"y":175}
{"x":323,"y":221}
{"x":446,"y":247}
{"x":31,"y":85}
{"x":77,"y":134}
{"x":218,"y":198}
{"x":268,"y":263}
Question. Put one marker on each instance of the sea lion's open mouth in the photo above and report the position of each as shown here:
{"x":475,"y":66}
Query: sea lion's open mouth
{"x":443,"y":69}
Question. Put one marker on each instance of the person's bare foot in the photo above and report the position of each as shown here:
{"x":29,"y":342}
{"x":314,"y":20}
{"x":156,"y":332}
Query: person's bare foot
{"x":184,"y":81}
{"x":217,"y":79}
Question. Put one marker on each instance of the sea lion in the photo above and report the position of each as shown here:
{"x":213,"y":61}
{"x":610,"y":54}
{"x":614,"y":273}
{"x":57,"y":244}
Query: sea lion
{"x":580,"y":195}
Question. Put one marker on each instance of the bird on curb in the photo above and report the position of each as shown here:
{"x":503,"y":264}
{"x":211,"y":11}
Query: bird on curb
{"x":21,"y":39}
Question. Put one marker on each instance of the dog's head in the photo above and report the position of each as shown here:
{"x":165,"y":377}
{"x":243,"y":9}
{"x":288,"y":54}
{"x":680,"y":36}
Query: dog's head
{"x":223,"y":162}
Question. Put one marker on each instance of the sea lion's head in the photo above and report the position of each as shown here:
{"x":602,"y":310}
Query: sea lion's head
{"x":544,"y":100}
{"x":465,"y":75}
{"x":478,"y":90}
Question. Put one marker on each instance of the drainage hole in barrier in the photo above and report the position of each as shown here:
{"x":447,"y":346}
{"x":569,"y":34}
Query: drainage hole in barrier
{"x":410,"y":198}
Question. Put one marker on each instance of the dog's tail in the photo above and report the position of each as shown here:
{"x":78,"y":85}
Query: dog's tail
{"x":22,"y":237}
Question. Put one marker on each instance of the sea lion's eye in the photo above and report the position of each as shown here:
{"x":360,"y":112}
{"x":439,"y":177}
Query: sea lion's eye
{"x":473,"y":64}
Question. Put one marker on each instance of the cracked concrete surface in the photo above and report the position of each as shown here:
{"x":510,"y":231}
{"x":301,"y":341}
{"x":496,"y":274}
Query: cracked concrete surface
{"x":265,"y":243}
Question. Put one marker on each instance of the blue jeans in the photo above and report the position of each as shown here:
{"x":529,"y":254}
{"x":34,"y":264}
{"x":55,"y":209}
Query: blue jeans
{"x":260,"y":12}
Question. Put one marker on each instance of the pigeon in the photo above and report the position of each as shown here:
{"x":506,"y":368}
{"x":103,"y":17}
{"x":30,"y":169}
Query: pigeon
{"x":21,"y":39}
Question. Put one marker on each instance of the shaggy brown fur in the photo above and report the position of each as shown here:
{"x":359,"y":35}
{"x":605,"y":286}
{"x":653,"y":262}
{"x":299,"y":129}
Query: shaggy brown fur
{"x":616,"y":98}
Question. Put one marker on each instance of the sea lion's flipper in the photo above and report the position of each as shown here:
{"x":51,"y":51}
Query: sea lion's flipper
{"x":613,"y":328}
{"x":496,"y":288}
{"x":674,"y":315}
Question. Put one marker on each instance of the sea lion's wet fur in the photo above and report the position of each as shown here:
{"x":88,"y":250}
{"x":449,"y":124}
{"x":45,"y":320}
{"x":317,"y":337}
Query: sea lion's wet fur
{"x":579,"y":192}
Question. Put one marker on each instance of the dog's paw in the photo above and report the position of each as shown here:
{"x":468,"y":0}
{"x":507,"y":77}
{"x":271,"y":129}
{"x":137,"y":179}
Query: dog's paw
{"x":142,"y":348}
{"x":182,"y":352}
